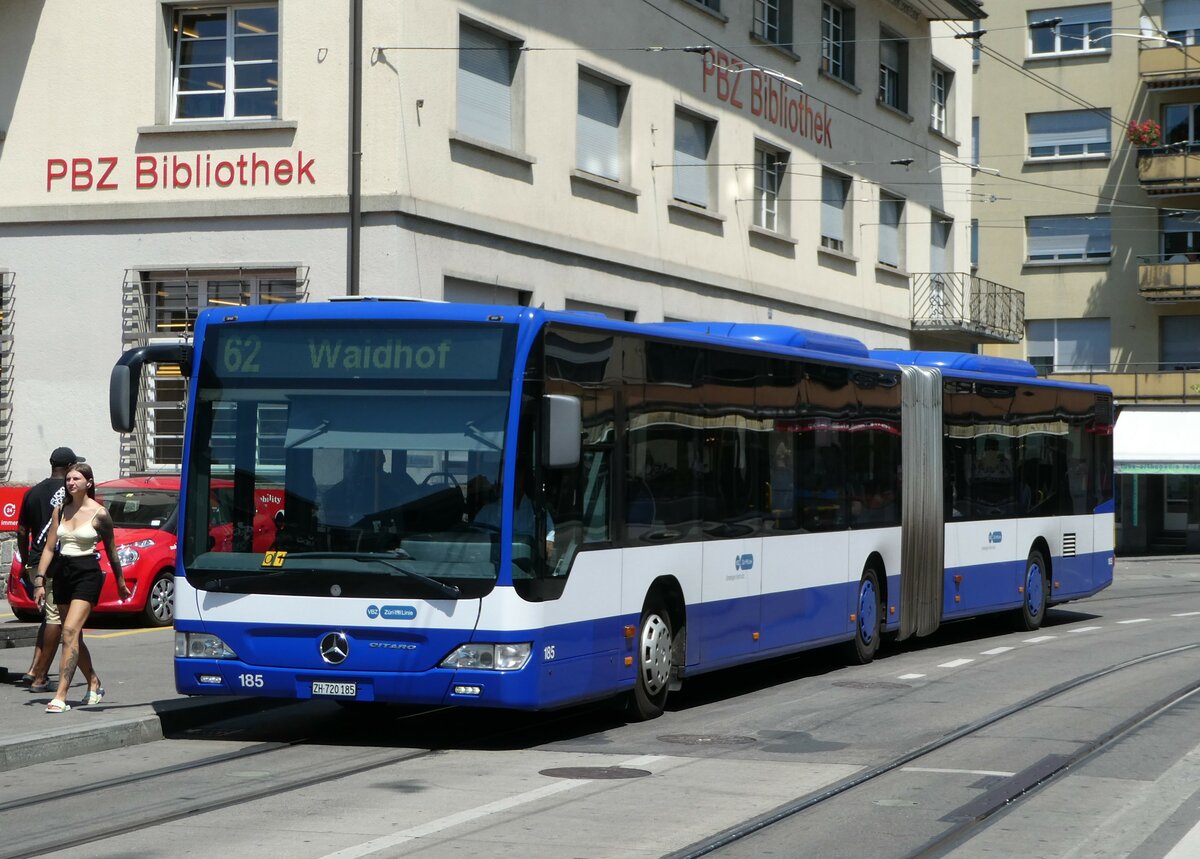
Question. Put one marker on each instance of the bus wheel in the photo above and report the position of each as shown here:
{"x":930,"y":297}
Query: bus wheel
{"x":867,"y":628}
{"x":653,"y":664}
{"x":1033,"y":607}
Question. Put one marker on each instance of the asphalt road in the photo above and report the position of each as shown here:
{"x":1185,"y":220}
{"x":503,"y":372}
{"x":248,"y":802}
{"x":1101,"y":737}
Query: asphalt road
{"x":1107,"y":765}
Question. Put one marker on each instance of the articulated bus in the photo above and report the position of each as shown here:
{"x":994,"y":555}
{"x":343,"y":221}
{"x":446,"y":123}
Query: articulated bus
{"x":508,"y":507}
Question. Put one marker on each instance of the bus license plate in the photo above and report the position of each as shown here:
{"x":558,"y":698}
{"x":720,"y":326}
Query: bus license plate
{"x":338,"y":690}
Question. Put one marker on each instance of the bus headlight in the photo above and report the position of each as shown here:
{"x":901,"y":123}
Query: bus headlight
{"x":201,"y":645}
{"x":490,"y":657}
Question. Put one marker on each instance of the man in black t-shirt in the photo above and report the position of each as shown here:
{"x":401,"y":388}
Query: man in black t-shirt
{"x":33,"y":538}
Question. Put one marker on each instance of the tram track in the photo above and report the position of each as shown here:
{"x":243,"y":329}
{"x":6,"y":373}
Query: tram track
{"x":183,"y":801}
{"x":1019,"y":787}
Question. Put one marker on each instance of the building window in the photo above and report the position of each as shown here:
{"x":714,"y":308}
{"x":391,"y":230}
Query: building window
{"x":974,"y":243}
{"x":1181,"y":123}
{"x":773,"y":22}
{"x":460,"y":291}
{"x":941,"y":228}
{"x":837,"y":41}
{"x":976,"y":48}
{"x":975,"y":140}
{"x":1083,"y":29}
{"x":1179,"y":342}
{"x":891,"y":231}
{"x":1181,"y":20}
{"x":693,"y":155}
{"x":1180,"y":238}
{"x":715,"y":5}
{"x":770,"y":170}
{"x":487,"y":67}
{"x":1068,"y":345}
{"x":835,"y":190}
{"x":1068,"y":238}
{"x":1069,"y":133}
{"x":226,"y":63}
{"x":893,"y":71}
{"x":599,"y":148}
{"x":939,"y":100}
{"x":162,"y":305}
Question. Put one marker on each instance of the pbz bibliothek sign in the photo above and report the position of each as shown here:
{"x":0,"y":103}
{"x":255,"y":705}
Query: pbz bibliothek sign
{"x":178,"y":172}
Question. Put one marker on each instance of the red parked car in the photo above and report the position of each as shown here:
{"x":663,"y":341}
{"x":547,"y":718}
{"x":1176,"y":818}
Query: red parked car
{"x":144,"y":511}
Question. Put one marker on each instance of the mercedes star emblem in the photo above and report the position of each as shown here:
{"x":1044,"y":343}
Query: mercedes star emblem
{"x":335,"y":648}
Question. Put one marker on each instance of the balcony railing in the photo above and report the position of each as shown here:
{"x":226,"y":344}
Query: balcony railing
{"x":962,"y":304}
{"x":1171,"y":169}
{"x":1169,"y":65}
{"x":1146,"y":382}
{"x":1169,"y":278}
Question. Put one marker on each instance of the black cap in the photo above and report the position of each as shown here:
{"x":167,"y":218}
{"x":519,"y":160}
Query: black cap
{"x":64,"y":456}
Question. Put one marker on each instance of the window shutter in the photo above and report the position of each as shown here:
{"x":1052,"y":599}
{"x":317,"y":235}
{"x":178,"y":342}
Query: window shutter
{"x":889,"y":231}
{"x":1069,"y":236}
{"x":1069,"y":128}
{"x":1181,"y":15}
{"x":833,"y":206}
{"x":1089,"y":14}
{"x":597,"y":140}
{"x":691,"y":159}
{"x":485,"y":75}
{"x":1083,"y":343}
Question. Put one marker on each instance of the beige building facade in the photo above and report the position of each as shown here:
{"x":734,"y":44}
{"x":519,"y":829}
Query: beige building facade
{"x":1098,"y":224}
{"x":791,"y":161}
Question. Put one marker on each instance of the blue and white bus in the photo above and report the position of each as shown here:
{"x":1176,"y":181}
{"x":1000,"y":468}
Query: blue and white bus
{"x":508,"y":507}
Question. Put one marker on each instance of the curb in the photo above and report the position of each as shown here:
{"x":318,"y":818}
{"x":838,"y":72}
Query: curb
{"x":18,"y":634}
{"x":160,"y":719}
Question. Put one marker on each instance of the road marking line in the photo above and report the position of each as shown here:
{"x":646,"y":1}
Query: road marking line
{"x":124,"y":632}
{"x":954,"y":663}
{"x":1038,"y":639}
{"x":957,"y":772}
{"x":1135,"y":620}
{"x":910,"y":676}
{"x":996,"y":651}
{"x":1087,"y":628}
{"x":434,"y":826}
{"x":1186,"y":614}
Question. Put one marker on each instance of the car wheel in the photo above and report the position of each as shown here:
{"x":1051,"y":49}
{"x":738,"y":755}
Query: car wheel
{"x":160,"y":601}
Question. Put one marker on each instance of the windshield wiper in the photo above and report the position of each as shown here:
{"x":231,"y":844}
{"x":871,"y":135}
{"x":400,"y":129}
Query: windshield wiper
{"x":388,"y":559}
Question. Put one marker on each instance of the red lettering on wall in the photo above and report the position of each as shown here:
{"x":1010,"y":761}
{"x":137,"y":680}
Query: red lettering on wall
{"x":56,"y":168}
{"x":109,"y":163}
{"x":283,"y":172}
{"x":147,"y":175}
{"x":81,"y":174}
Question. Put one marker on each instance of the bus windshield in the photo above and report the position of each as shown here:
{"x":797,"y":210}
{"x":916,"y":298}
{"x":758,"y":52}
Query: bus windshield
{"x":352,"y":459}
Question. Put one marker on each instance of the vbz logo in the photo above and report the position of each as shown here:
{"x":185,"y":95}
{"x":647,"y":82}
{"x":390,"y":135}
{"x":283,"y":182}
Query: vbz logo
{"x":996,"y":537}
{"x":744,"y":562}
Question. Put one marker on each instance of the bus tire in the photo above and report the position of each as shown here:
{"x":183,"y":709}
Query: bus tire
{"x":868,"y":618}
{"x":1033,"y":602}
{"x":654,"y":662}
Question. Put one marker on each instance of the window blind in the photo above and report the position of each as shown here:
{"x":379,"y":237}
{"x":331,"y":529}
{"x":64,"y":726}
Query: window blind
{"x":833,"y":206}
{"x":890,"y":210}
{"x":1068,"y":237}
{"x":691,"y":159}
{"x":1068,"y":128}
{"x":597,"y":135}
{"x":485,"y":76}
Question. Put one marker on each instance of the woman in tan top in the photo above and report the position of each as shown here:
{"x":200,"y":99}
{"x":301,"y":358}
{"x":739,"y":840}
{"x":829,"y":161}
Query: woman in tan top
{"x":79,"y":524}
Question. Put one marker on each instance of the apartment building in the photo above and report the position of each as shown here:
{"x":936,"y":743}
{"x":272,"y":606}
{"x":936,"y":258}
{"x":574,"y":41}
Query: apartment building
{"x":1098,"y":224}
{"x":791,"y":161}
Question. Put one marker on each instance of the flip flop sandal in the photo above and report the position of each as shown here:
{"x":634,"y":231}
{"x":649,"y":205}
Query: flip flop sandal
{"x":57,"y":706}
{"x":94,"y":696}
{"x":40,"y":687}
{"x":26,"y":680}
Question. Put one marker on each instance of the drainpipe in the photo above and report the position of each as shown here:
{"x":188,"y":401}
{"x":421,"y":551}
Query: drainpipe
{"x":356,"y":72}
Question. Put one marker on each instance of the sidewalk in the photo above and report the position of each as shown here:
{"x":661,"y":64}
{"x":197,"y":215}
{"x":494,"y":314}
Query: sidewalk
{"x":140,"y":703}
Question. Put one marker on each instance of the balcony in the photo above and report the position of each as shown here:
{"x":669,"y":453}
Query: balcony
{"x":1173,"y":169}
{"x":966,"y":307}
{"x":1169,"y":66}
{"x":1147,"y":383}
{"x":1173,"y":278}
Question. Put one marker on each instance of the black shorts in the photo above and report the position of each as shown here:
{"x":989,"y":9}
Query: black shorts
{"x":78,"y":578}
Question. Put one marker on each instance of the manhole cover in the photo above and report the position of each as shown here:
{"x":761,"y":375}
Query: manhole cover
{"x":871,"y":684}
{"x":595,"y":772}
{"x":707,"y":740}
